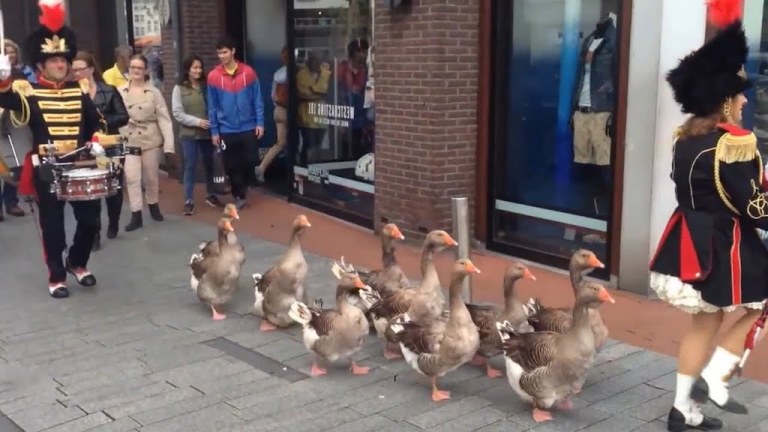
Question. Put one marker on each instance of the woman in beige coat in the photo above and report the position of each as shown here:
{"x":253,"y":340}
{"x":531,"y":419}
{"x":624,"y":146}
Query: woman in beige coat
{"x":149,"y":134}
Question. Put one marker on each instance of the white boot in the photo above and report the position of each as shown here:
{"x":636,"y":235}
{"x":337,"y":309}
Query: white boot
{"x":713,"y":384}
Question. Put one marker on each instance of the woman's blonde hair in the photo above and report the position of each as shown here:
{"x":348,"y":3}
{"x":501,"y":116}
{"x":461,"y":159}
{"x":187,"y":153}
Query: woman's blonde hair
{"x":702,"y":125}
{"x":15,"y":46}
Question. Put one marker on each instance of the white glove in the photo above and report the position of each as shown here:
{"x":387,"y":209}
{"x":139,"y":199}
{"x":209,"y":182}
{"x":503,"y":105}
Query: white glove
{"x":97,"y":149}
{"x":5,"y":67}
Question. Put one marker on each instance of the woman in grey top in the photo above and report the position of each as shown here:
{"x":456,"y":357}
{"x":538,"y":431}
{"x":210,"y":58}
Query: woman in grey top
{"x":189,"y":108}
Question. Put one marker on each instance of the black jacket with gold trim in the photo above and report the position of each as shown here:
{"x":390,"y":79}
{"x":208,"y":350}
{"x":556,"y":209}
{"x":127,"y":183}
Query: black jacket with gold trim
{"x":60,"y":113}
{"x":710,"y":240}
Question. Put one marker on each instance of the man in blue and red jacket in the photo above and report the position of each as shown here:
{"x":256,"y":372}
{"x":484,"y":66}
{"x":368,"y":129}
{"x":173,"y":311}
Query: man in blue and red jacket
{"x":236,"y":115}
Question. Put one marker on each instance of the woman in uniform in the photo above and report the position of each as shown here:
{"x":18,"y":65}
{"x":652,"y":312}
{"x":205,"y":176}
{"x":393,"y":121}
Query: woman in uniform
{"x":710,"y":260}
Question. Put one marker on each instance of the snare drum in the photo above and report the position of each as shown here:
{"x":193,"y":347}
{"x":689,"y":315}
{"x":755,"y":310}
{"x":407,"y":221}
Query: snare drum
{"x":85,"y":184}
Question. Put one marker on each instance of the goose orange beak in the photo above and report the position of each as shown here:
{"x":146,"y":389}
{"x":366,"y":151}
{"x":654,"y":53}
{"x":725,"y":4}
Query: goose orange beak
{"x":449,"y":241}
{"x":471,"y":267}
{"x":395,"y":233}
{"x":303,"y":221}
{"x":528,"y":275}
{"x":359,"y":283}
{"x":594,"y":262}
{"x":604,"y":296}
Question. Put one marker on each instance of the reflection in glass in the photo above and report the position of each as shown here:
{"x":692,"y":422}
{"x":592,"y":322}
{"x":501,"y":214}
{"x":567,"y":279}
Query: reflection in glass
{"x":148,"y":17}
{"x":335,"y":115}
{"x":553,"y":186}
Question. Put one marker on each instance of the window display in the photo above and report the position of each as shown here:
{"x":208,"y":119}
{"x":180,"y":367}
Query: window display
{"x":334,"y":163}
{"x":555,"y":106}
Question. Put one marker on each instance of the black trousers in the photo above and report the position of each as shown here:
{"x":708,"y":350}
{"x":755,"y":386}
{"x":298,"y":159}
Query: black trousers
{"x":114,"y":206}
{"x":54,"y":235}
{"x":237,"y":156}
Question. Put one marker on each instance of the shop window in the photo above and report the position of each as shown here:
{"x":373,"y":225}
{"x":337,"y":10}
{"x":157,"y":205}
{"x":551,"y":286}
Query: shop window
{"x":556,"y":80}
{"x":147,"y":19}
{"x":755,"y":112}
{"x":335,"y":117}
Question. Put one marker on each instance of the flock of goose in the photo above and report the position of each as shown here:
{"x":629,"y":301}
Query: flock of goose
{"x":548,"y":352}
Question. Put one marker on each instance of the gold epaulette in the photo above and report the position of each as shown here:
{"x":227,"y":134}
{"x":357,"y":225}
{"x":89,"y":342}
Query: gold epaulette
{"x":22,"y":87}
{"x":84,"y":85}
{"x":736,"y":148}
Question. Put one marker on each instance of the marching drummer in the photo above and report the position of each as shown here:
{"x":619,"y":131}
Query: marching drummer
{"x":62,"y":118}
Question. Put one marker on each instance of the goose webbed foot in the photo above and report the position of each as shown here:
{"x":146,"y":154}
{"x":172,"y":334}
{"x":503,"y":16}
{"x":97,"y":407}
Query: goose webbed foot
{"x":439,"y":395}
{"x":358,"y":370}
{"x":217,"y":316}
{"x":317,"y":370}
{"x":267,"y":326}
{"x":492,"y":372}
{"x":540,"y":415}
{"x":390,"y":353}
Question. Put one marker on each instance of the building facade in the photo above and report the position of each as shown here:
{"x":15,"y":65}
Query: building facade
{"x":553,"y":117}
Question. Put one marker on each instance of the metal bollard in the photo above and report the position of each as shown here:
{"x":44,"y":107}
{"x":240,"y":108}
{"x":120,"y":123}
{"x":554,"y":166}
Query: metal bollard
{"x":460,"y":211}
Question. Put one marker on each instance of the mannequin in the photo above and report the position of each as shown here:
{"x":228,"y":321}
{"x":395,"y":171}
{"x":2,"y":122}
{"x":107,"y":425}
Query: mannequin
{"x":594,"y":102}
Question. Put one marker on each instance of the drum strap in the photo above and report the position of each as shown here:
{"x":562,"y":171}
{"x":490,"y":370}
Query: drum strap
{"x":133,"y":151}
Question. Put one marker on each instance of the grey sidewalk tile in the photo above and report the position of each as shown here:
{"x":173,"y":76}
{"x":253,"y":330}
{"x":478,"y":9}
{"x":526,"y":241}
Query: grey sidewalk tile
{"x":214,"y":416}
{"x":42,"y":417}
{"x":472,"y":421}
{"x":152,"y":402}
{"x":371,"y":423}
{"x":82,"y":424}
{"x":125,"y":396}
{"x":255,"y":359}
{"x":120,"y":425}
{"x":442,"y":414}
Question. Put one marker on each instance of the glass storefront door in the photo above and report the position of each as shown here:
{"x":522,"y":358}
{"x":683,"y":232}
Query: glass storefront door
{"x":334,"y":144}
{"x":555,"y":83}
{"x":755,"y":113}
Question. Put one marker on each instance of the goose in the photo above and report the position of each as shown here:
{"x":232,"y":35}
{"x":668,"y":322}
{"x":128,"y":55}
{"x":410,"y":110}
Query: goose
{"x":334,"y":334}
{"x":547,"y":368}
{"x":212,"y":247}
{"x":218,"y":275}
{"x":486,"y":316}
{"x":423,"y":303}
{"x":559,"y":320}
{"x":283,"y":283}
{"x":440,"y":346}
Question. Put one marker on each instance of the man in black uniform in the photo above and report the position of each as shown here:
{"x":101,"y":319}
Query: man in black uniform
{"x":58,"y":112}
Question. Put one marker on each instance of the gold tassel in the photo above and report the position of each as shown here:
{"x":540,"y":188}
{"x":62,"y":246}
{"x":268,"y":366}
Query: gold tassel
{"x":732,"y":148}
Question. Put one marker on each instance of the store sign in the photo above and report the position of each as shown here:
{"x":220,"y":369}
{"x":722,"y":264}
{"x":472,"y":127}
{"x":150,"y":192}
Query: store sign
{"x":317,"y":174}
{"x":331,"y":115}
{"x":320,"y":4}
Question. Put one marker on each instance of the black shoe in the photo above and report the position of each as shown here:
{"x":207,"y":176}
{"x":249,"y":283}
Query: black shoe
{"x":97,"y":241}
{"x":189,"y":208}
{"x":135,"y":223}
{"x":154,"y":211}
{"x":700,"y":394}
{"x":214,"y":201}
{"x":112,"y":230}
{"x":83,"y":276}
{"x":676,"y":422}
{"x":58,"y":290}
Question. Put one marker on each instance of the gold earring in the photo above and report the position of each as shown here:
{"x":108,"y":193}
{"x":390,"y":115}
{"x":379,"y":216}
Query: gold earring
{"x":727,"y":108}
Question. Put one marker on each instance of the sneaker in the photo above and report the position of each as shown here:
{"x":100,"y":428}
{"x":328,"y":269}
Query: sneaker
{"x":189,"y":208}
{"x":58,"y":290}
{"x":213,"y":201}
{"x":240,"y":203}
{"x":16,"y":211}
{"x":259,"y":174}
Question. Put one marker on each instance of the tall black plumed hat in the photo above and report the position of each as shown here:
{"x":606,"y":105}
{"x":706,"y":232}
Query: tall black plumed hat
{"x":53,"y":37}
{"x":704,"y":79}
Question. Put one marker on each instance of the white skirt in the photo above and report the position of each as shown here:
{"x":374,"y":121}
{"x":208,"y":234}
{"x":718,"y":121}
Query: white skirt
{"x":686,"y":298}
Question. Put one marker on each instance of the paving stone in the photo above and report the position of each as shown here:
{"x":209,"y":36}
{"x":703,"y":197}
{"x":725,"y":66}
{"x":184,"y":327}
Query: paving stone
{"x":215,"y":416}
{"x":119,"y":425}
{"x":42,"y":417}
{"x":472,"y":421}
{"x":81,"y":424}
{"x":144,"y":357}
{"x":152,"y":402}
{"x":365,"y":424}
{"x":443,"y":414}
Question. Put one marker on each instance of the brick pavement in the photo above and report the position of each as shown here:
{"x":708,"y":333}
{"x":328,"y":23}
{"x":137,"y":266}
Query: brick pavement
{"x":140,"y":353}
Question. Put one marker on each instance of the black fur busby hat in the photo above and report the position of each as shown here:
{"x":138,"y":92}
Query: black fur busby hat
{"x":53,"y":37}
{"x":707,"y":77}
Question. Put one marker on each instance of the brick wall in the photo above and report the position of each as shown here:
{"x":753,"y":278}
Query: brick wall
{"x":200,"y":29}
{"x":426,"y":99}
